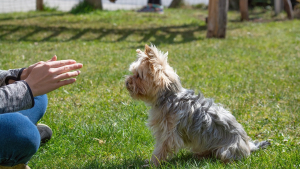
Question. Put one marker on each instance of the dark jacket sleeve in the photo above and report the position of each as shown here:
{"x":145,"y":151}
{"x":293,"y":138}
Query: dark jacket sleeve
{"x":13,"y":74}
{"x":14,"y":97}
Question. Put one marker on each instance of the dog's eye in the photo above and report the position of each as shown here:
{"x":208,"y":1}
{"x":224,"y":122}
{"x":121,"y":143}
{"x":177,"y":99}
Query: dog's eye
{"x":139,"y":76}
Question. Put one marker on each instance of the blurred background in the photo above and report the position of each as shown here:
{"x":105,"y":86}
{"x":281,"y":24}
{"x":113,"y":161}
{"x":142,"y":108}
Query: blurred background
{"x":66,"y":5}
{"x":7,"y":6}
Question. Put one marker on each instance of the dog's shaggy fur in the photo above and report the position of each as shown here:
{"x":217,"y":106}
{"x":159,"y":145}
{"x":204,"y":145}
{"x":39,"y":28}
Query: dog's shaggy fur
{"x":181,"y":119}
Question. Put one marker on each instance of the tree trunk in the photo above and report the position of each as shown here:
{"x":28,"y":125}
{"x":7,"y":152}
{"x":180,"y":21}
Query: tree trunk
{"x":278,"y":6}
{"x":175,"y":3}
{"x":39,"y":5}
{"x":96,"y":3}
{"x":244,"y":10}
{"x":217,"y":18}
{"x":234,"y":4}
{"x":288,"y":8}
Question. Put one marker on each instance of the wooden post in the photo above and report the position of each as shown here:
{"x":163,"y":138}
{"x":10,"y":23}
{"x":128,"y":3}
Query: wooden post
{"x":244,"y":10}
{"x":175,"y":3}
{"x":96,"y":3}
{"x":288,"y":8}
{"x":39,"y":5}
{"x":217,"y":18}
{"x":278,"y":6}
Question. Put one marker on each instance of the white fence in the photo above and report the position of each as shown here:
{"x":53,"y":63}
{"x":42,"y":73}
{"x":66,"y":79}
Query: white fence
{"x":66,"y":5}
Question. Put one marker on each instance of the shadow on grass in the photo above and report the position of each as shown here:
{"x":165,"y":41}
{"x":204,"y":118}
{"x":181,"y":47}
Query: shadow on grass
{"x":181,"y":160}
{"x":259,"y":20}
{"x":98,"y":163}
{"x":258,"y":16}
{"x":28,"y":16}
{"x":157,"y":35}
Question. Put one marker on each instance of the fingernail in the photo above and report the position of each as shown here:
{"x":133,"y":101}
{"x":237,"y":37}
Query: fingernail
{"x":78,"y":71}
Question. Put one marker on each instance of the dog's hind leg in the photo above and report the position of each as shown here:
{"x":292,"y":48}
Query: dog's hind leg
{"x":254,"y":146}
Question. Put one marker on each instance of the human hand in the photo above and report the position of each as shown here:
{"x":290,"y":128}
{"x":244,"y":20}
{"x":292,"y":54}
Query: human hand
{"x":28,"y":70}
{"x":48,"y":76}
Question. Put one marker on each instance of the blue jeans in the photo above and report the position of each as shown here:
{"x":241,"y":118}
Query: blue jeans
{"x":19,"y":137}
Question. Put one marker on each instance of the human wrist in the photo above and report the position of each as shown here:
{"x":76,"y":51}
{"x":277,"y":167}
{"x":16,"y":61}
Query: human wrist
{"x":31,"y":87}
{"x":24,"y":74}
{"x":10,"y":81}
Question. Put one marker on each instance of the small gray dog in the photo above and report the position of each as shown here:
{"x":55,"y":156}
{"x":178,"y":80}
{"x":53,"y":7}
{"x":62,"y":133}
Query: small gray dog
{"x":181,"y":119}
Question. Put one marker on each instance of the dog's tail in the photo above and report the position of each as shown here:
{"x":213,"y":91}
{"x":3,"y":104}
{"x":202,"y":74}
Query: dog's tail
{"x":254,"y":146}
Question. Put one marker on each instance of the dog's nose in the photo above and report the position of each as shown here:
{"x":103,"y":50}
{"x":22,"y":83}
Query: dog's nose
{"x":126,"y":83}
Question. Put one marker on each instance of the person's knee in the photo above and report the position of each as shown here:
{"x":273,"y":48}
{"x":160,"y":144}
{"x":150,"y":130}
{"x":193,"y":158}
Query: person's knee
{"x":19,"y":139}
{"x":41,"y":102}
{"x":38,"y":110}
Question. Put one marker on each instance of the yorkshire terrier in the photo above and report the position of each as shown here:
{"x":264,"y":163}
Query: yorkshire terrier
{"x":180,"y":119}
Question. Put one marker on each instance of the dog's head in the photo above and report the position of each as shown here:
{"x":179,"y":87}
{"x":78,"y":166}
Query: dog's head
{"x":151,"y":75}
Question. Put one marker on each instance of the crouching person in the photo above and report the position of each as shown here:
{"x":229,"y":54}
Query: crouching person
{"x":23,"y":102}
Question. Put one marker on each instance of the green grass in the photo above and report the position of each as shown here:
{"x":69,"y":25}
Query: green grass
{"x":254,"y":72}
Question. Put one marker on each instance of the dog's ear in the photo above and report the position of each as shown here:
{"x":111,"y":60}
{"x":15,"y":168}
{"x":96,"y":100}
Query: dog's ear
{"x":138,"y":51}
{"x":147,"y":50}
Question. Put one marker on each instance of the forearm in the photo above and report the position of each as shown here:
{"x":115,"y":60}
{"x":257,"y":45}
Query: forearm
{"x":15,"y":97}
{"x":11,"y":74}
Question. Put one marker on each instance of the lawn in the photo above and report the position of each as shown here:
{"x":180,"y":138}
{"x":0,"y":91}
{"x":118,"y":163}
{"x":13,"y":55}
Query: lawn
{"x":254,"y":72}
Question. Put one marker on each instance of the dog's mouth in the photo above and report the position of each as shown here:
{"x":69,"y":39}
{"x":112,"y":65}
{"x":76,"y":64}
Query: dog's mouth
{"x":128,"y":83}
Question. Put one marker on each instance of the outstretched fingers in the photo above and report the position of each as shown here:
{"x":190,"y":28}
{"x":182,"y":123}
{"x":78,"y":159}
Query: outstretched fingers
{"x":67,"y":75}
{"x":57,"y":64}
{"x":54,"y":58}
{"x":65,"y":82}
{"x":67,"y":68}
